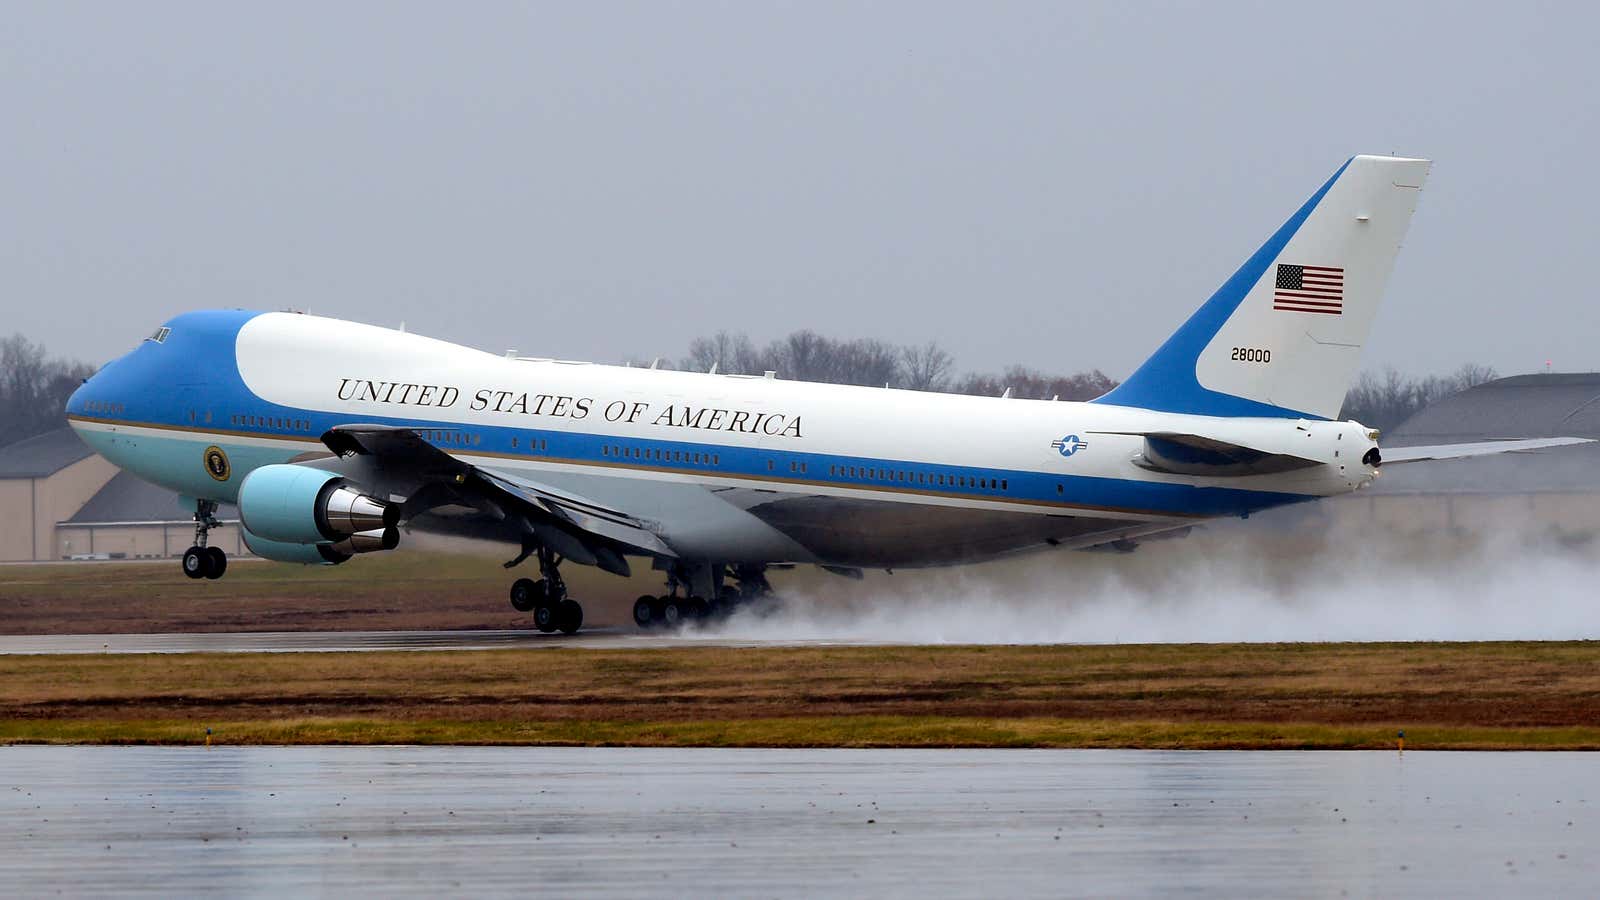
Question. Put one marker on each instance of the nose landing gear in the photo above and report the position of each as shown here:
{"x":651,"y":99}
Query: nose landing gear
{"x":547,"y":597}
{"x":203,"y":560}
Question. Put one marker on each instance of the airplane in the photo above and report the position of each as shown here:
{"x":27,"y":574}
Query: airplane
{"x":332,"y":437}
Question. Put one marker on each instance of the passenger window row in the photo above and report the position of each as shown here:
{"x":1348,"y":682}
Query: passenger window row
{"x":934,"y":479}
{"x":535,"y":445}
{"x":281,"y":423}
{"x":100,"y":406}
{"x":450,"y":436}
{"x":654,"y":454}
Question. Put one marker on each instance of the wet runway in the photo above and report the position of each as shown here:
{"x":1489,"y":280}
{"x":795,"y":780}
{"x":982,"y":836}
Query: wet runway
{"x":336,"y":641}
{"x":423,"y":821}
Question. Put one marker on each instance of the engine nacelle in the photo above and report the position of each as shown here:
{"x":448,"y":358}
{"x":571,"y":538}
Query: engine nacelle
{"x":323,"y":554}
{"x":294,"y":504}
{"x":283,"y":551}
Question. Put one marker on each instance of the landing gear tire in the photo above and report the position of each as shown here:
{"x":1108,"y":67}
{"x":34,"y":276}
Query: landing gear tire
{"x":546,"y":598}
{"x":646,"y":611}
{"x":697,"y":608}
{"x":570,"y":614}
{"x":202,"y":560}
{"x":195,"y":562}
{"x":672,"y":612}
{"x":546,"y":617}
{"x":526,"y":594}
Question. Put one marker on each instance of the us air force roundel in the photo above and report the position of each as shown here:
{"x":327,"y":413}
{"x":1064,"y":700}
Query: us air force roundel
{"x":217,"y":463}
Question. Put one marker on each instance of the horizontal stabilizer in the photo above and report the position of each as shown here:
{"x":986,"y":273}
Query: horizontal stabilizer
{"x":1482,"y":448}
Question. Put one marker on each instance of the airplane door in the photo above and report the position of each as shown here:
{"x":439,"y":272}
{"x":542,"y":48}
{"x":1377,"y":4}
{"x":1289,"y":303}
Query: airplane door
{"x":193,"y":405}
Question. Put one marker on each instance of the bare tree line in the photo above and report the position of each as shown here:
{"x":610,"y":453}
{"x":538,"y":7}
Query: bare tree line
{"x":808,"y":356}
{"x":1379,"y":399}
{"x":1384,"y":399}
{"x":34,"y":388}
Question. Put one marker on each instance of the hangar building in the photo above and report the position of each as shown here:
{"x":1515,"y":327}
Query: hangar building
{"x":1555,"y":490}
{"x":60,"y":500}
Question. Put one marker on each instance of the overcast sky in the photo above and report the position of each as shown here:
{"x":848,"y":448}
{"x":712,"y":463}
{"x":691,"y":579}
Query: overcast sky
{"x":1057,"y":185}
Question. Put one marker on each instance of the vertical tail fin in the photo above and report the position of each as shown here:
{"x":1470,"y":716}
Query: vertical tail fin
{"x":1283,"y":336}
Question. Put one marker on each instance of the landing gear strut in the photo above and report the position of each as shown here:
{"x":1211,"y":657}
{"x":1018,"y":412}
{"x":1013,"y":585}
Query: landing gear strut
{"x":203,"y":560}
{"x":547,"y":598}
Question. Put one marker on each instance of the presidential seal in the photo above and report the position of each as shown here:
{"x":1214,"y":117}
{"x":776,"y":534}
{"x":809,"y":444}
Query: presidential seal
{"x":217,"y":463}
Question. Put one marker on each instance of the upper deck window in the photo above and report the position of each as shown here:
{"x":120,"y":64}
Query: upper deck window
{"x":160,"y":335}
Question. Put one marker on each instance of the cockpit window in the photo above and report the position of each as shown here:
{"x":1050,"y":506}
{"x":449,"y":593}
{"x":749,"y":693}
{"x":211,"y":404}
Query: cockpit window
{"x":160,"y":336}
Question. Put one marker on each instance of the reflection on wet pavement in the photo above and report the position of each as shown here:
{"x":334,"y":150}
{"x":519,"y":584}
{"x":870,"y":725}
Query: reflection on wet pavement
{"x":425,"y":820}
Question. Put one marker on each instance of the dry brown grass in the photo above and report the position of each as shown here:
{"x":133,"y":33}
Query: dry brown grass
{"x":1337,"y":695}
{"x":398,"y":591}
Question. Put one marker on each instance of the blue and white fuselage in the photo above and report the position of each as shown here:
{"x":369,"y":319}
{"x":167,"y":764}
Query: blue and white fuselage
{"x":727,"y":467}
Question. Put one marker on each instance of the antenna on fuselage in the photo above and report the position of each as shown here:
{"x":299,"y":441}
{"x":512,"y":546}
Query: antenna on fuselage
{"x":402,"y":326}
{"x":1006,"y":395}
{"x":713,"y":369}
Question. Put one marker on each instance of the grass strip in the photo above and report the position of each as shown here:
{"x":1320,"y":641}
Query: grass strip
{"x":1508,"y":695}
{"x":857,"y":731}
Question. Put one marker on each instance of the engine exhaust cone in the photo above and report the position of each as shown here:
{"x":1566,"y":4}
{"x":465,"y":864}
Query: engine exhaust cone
{"x":369,"y":541}
{"x":347,"y":512}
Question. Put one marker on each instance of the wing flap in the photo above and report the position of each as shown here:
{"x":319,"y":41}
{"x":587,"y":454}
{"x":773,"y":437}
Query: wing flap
{"x":580,"y":513}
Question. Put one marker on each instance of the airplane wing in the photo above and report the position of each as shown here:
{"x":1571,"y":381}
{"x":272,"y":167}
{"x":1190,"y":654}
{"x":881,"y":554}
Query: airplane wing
{"x":577,"y":528}
{"x":1397,"y":455}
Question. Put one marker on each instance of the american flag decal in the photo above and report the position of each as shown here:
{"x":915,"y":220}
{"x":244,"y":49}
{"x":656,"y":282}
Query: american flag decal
{"x":1309,"y":289}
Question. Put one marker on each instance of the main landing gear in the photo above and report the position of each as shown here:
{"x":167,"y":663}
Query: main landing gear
{"x":547,"y":598}
{"x":711,"y":598}
{"x":203,"y":560}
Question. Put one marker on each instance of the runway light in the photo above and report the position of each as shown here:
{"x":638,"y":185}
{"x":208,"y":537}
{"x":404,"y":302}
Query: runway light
{"x":1402,"y":742}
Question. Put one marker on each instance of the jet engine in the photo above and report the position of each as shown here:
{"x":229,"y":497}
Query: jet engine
{"x":293,"y":505}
